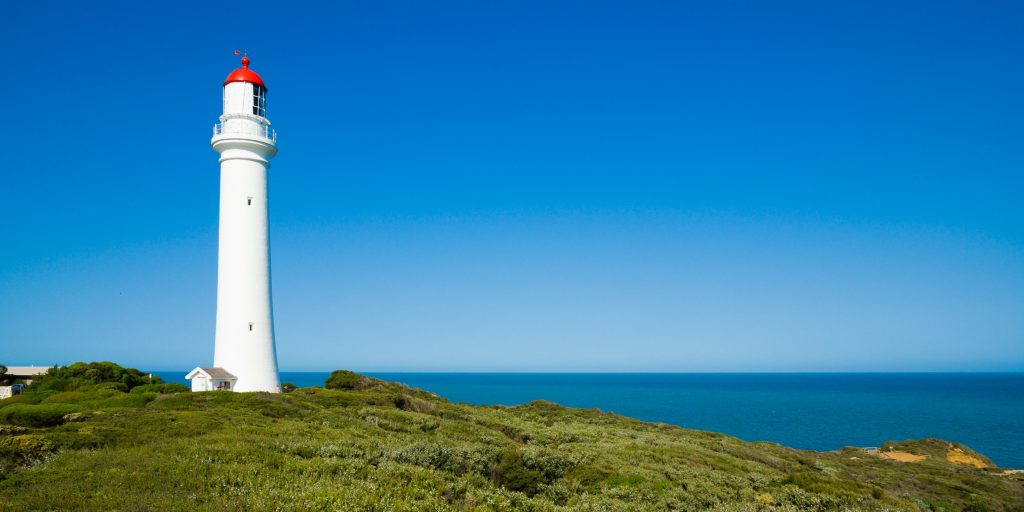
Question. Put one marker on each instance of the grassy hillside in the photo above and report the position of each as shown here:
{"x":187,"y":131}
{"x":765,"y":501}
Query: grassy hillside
{"x":379,"y":446}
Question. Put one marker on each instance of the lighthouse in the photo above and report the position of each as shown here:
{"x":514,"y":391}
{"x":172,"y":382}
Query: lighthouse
{"x":245,"y":357}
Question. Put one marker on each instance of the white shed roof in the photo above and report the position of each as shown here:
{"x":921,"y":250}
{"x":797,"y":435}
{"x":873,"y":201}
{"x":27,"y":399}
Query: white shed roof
{"x":212,"y":373}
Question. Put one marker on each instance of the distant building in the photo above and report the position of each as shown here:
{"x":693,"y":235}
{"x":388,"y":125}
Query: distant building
{"x":211,"y":379}
{"x":26,"y":373}
{"x":9,"y":391}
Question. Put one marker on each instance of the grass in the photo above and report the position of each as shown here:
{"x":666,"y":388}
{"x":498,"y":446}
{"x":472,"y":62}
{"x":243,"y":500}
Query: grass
{"x":379,"y":446}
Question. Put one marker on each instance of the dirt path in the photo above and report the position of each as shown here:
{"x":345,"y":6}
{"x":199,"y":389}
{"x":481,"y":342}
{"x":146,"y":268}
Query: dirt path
{"x":899,"y":456}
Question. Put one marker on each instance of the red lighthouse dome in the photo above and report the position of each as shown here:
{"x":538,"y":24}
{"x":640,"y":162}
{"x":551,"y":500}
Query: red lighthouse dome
{"x":244,"y":74}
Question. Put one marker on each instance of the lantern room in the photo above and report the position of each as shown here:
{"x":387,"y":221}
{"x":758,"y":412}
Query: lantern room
{"x":244,"y":92}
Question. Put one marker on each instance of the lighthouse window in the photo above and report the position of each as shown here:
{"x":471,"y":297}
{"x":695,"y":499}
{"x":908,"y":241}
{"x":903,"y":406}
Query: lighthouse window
{"x":259,"y":101}
{"x":250,"y":326}
{"x":249,"y":200}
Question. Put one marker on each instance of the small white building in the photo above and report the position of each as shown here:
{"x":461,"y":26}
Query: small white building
{"x":9,"y":391}
{"x":211,"y":379}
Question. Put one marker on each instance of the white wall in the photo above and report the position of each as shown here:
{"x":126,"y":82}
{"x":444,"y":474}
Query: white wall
{"x":238,"y":98}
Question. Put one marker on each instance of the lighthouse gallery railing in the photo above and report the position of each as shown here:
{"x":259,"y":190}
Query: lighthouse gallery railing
{"x":246,"y":129}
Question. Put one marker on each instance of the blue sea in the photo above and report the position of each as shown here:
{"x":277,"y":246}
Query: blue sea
{"x":803,"y":410}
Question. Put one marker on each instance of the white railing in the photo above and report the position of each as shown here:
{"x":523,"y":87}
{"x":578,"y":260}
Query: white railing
{"x":258,"y":130}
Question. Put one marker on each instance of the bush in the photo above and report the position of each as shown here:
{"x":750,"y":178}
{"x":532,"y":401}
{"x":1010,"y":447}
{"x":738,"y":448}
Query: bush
{"x":44,"y":415}
{"x":81,"y":397}
{"x":288,"y":387}
{"x":26,"y":446}
{"x":129,"y":400}
{"x":344,"y":379}
{"x":81,"y":375}
{"x":11,"y":430}
{"x":24,"y":398}
{"x":32,"y":397}
{"x":591,"y":475}
{"x":119,"y":386}
{"x":511,"y":473}
{"x":411,"y":403}
{"x":163,"y":389}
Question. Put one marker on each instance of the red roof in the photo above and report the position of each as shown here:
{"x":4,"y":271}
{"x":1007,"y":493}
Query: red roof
{"x":244,"y":74}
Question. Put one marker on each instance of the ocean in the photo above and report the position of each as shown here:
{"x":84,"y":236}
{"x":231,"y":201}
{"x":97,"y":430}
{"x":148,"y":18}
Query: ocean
{"x":817,"y":411}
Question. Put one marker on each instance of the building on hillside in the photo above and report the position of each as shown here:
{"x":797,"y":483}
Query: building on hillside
{"x":211,"y":379}
{"x":26,"y":373}
{"x":244,"y":339}
{"x":9,"y":391}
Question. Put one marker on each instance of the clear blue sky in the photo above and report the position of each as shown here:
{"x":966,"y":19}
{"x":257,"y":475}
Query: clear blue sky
{"x":564,"y":186}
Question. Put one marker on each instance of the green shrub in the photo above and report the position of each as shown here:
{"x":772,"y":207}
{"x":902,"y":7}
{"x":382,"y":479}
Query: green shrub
{"x":67,"y":397}
{"x":11,"y":430}
{"x":23,"y":398}
{"x":591,"y":475}
{"x":177,"y":401}
{"x":43,"y":415}
{"x":344,"y":379}
{"x":31,"y":397}
{"x":411,"y":403}
{"x":511,"y":473}
{"x":82,"y":397}
{"x":552,"y":464}
{"x":119,"y":386}
{"x":130,"y":400}
{"x":629,"y":480}
{"x":162,"y":389}
{"x":822,"y":484}
{"x":288,"y":387}
{"x":28,"y":446}
{"x":81,"y":375}
{"x":455,"y":459}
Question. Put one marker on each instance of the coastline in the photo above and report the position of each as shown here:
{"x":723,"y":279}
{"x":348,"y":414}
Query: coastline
{"x":369,"y":444}
{"x":821,"y":412}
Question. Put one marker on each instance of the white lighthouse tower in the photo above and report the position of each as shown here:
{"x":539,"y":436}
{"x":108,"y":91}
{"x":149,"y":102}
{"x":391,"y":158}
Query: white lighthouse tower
{"x":244,"y":346}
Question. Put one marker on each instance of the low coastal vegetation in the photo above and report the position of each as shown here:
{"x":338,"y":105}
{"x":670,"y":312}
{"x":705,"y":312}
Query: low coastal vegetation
{"x":110,"y":439}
